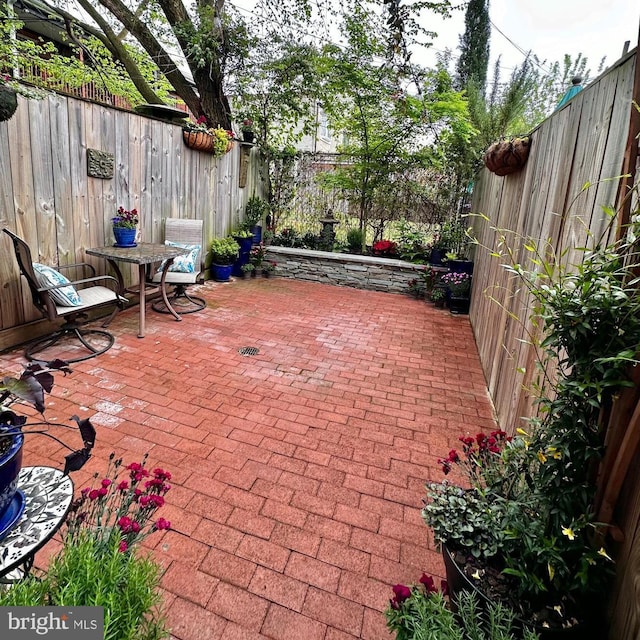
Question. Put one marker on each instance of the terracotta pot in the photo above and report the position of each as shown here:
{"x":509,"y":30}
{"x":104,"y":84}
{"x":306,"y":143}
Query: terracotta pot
{"x":507,"y":156}
{"x":198,"y":140}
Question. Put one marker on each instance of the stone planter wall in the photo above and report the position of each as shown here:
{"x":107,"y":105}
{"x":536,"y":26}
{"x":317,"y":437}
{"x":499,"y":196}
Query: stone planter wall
{"x":360,"y":272}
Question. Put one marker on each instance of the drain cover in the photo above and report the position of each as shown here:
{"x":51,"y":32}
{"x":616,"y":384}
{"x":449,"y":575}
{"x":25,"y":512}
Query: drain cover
{"x":248,"y":351}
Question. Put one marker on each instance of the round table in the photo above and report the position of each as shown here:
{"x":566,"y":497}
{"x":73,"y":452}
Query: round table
{"x":48,"y":494}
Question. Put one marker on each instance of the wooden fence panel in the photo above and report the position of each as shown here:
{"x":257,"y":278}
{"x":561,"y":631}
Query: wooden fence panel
{"x":47,"y":197}
{"x":583,"y":142}
{"x":546,"y":202}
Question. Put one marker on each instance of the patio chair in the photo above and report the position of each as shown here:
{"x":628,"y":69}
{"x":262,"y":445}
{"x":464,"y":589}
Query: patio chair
{"x":185,"y":270}
{"x":56,"y":297}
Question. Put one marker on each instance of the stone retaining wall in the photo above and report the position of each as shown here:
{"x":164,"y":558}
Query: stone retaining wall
{"x":361,"y":272}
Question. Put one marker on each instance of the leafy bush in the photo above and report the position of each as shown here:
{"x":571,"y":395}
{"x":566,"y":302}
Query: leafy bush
{"x":88,"y":573}
{"x":423,"y":613}
{"x":355,"y":240}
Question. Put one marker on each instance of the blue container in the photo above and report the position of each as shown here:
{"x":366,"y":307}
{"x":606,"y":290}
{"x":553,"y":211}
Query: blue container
{"x":221,"y":272}
{"x":10,"y":465}
{"x":124,"y":236}
{"x":257,"y":234}
{"x":243,"y":256}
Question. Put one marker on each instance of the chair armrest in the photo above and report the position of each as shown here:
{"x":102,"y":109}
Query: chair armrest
{"x":78,"y":264}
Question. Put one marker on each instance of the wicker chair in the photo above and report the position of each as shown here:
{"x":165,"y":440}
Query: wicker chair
{"x":184,"y":233}
{"x":91,"y":295}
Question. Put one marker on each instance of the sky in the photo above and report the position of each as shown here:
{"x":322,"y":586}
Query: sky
{"x":550,"y":28}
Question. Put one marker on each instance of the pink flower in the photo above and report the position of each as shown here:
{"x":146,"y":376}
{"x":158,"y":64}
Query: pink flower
{"x":85,"y":491}
{"x":94,"y":494}
{"x":123,"y":486}
{"x":102,"y":492}
{"x":123,"y":546}
{"x":105,"y":483}
{"x":125,"y":524}
{"x":161,"y":474}
{"x":161,"y":524}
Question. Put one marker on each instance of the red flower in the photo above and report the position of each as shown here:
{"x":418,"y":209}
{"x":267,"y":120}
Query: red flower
{"x":401,"y":593}
{"x":429,"y":583}
{"x":94,"y":494}
{"x":125,"y":524}
{"x":161,"y":524}
{"x":453,"y":456}
{"x":161,"y":474}
{"x":444,"y":587}
{"x":123,"y":486}
{"x":123,"y":546}
{"x":105,"y":483}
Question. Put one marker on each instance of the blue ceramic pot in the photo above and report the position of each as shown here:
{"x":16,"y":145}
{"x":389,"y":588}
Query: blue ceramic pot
{"x":124,"y":237}
{"x":257,"y":234}
{"x":10,"y":465}
{"x":221,"y":272}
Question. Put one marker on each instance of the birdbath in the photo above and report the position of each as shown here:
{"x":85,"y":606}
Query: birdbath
{"x":328,"y":233}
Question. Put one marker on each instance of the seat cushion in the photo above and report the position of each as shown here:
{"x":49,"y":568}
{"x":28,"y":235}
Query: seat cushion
{"x":185,"y":263}
{"x":49,"y":277}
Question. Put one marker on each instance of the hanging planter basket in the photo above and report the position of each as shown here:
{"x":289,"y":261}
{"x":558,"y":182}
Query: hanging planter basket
{"x":198,"y":140}
{"x":8,"y":102}
{"x":507,"y":156}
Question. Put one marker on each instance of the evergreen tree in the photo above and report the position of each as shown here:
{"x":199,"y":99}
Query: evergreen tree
{"x":474,"y":47}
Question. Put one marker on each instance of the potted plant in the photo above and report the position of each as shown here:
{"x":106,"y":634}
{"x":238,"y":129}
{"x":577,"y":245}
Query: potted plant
{"x":258,"y":255}
{"x":201,"y":137}
{"x":458,"y":286}
{"x":524,"y":512}
{"x":247,"y":130}
{"x":438,"y":296}
{"x":248,"y":269}
{"x":124,"y":227}
{"x":268,"y":267}
{"x":507,"y":156}
{"x":224,"y":252}
{"x":30,"y":388}
{"x":244,"y":238}
{"x":256,"y":210}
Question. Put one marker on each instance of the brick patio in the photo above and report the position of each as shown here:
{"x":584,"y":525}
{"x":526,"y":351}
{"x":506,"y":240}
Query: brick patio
{"x":297,"y":473}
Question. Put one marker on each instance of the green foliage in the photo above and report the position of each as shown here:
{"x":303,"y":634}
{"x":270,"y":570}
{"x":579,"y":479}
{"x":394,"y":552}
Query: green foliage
{"x":474,"y":46}
{"x":355,"y":240}
{"x":224,"y":250}
{"x":255,"y":211}
{"x":88,"y":573}
{"x":388,"y":128}
{"x":425,"y":615}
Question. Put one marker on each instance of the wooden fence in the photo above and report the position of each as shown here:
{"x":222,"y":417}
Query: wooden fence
{"x":47,"y":198}
{"x":590,"y":140}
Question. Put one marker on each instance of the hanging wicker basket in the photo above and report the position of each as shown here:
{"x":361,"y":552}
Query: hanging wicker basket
{"x":507,"y":156}
{"x":8,"y":102}
{"x":198,"y":140}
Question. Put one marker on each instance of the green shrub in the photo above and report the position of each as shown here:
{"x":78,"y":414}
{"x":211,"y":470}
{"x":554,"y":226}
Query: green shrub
{"x":355,"y":240}
{"x":89,"y":573}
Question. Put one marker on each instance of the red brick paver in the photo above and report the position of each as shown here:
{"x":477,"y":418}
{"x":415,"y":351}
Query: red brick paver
{"x":298,"y":472}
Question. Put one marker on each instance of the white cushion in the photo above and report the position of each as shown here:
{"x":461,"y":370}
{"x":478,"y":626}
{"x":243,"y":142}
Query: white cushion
{"x":185,"y":263}
{"x":48,"y":277}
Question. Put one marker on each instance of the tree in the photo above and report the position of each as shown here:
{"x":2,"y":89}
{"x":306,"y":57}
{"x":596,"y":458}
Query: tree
{"x":391,"y":130}
{"x":474,"y":47}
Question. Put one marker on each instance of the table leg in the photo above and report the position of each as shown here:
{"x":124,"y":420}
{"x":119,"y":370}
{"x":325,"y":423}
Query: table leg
{"x":143,"y":295}
{"x":163,"y":291}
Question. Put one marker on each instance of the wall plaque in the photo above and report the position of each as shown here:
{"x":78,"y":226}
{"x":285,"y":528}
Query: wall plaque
{"x":99,"y":164}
